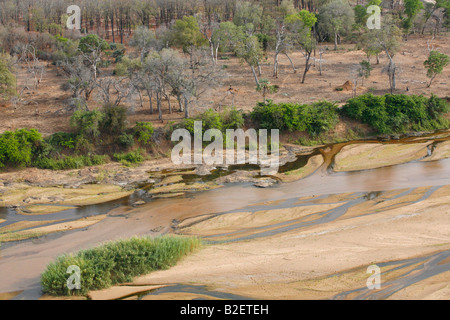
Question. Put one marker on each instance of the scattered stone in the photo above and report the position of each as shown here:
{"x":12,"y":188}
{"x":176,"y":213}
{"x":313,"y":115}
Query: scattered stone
{"x":138,"y":203}
{"x":265,"y":183}
{"x":157,"y":229}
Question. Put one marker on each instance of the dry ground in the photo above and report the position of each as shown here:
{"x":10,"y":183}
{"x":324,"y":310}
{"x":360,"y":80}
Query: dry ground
{"x":43,"y":108}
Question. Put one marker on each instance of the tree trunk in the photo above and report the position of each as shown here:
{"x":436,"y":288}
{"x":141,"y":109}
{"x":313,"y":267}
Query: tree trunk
{"x":291,"y":62}
{"x":112,"y":26}
{"x":255,"y":76}
{"x":275,"y":65}
{"x":308,"y":56}
{"x":186,"y":109}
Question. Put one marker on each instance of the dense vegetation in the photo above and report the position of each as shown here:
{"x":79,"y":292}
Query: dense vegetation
{"x":398,"y":113}
{"x":102,"y":135}
{"x":116,"y":262}
{"x":314,"y":118}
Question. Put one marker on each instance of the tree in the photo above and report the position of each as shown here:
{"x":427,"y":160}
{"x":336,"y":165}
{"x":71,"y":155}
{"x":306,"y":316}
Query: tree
{"x":300,"y":25}
{"x":144,"y":39}
{"x":186,"y":33}
{"x":282,"y":43}
{"x":336,"y":18}
{"x":364,"y":70}
{"x":435,"y":64}
{"x":91,"y":48}
{"x":388,"y":38}
{"x":412,"y":8}
{"x":249,"y":15}
{"x":7,"y":78}
{"x":265,"y":88}
{"x":249,"y":50}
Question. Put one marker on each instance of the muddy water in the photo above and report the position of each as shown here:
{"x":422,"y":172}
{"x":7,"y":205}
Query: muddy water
{"x":21,"y":263}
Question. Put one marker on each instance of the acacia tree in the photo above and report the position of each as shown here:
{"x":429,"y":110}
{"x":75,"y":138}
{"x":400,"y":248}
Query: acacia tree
{"x":336,"y":18}
{"x":300,"y":25}
{"x":34,"y":68}
{"x":435,"y":64}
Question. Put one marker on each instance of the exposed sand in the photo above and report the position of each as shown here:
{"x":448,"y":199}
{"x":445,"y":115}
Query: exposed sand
{"x":42,"y":209}
{"x":442,"y":151}
{"x":313,"y":164}
{"x":84,"y":195}
{"x":295,"y":264}
{"x":118,"y":292}
{"x":369,"y":156}
{"x":433,"y":288}
{"x":18,"y":234}
{"x":245,"y":220}
{"x":9,"y":295}
{"x":182,"y":187}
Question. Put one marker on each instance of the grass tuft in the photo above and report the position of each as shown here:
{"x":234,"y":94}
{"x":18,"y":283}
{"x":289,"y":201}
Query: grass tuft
{"x":116,"y":262}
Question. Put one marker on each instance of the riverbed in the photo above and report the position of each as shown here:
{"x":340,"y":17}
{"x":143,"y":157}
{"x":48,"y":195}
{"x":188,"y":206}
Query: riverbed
{"x":283,"y":241}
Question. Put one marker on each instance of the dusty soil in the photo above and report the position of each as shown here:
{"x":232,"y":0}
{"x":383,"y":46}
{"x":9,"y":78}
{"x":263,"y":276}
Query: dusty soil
{"x":43,"y":108}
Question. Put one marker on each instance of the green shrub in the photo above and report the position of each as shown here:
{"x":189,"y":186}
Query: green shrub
{"x":398,"y":113}
{"x":83,"y":145}
{"x":316,"y":118}
{"x":211,"y":120}
{"x":62,"y":139}
{"x":136,"y":156}
{"x":114,"y":120}
{"x":116,"y":262}
{"x":18,"y":148}
{"x":232,"y":119}
{"x":87,"y":123}
{"x":144,"y":132}
{"x":70,"y":162}
{"x":126,"y":140}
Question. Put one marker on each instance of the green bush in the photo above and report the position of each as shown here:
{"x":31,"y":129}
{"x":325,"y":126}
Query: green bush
{"x":144,"y":132}
{"x":87,"y":123}
{"x":398,"y":113}
{"x":316,"y":118}
{"x":114,"y":120}
{"x":18,"y":148}
{"x":83,"y":145}
{"x":232,"y":119}
{"x":116,"y":262}
{"x":136,"y":156}
{"x":62,"y":140}
{"x":70,"y":162}
{"x":126,"y":140}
